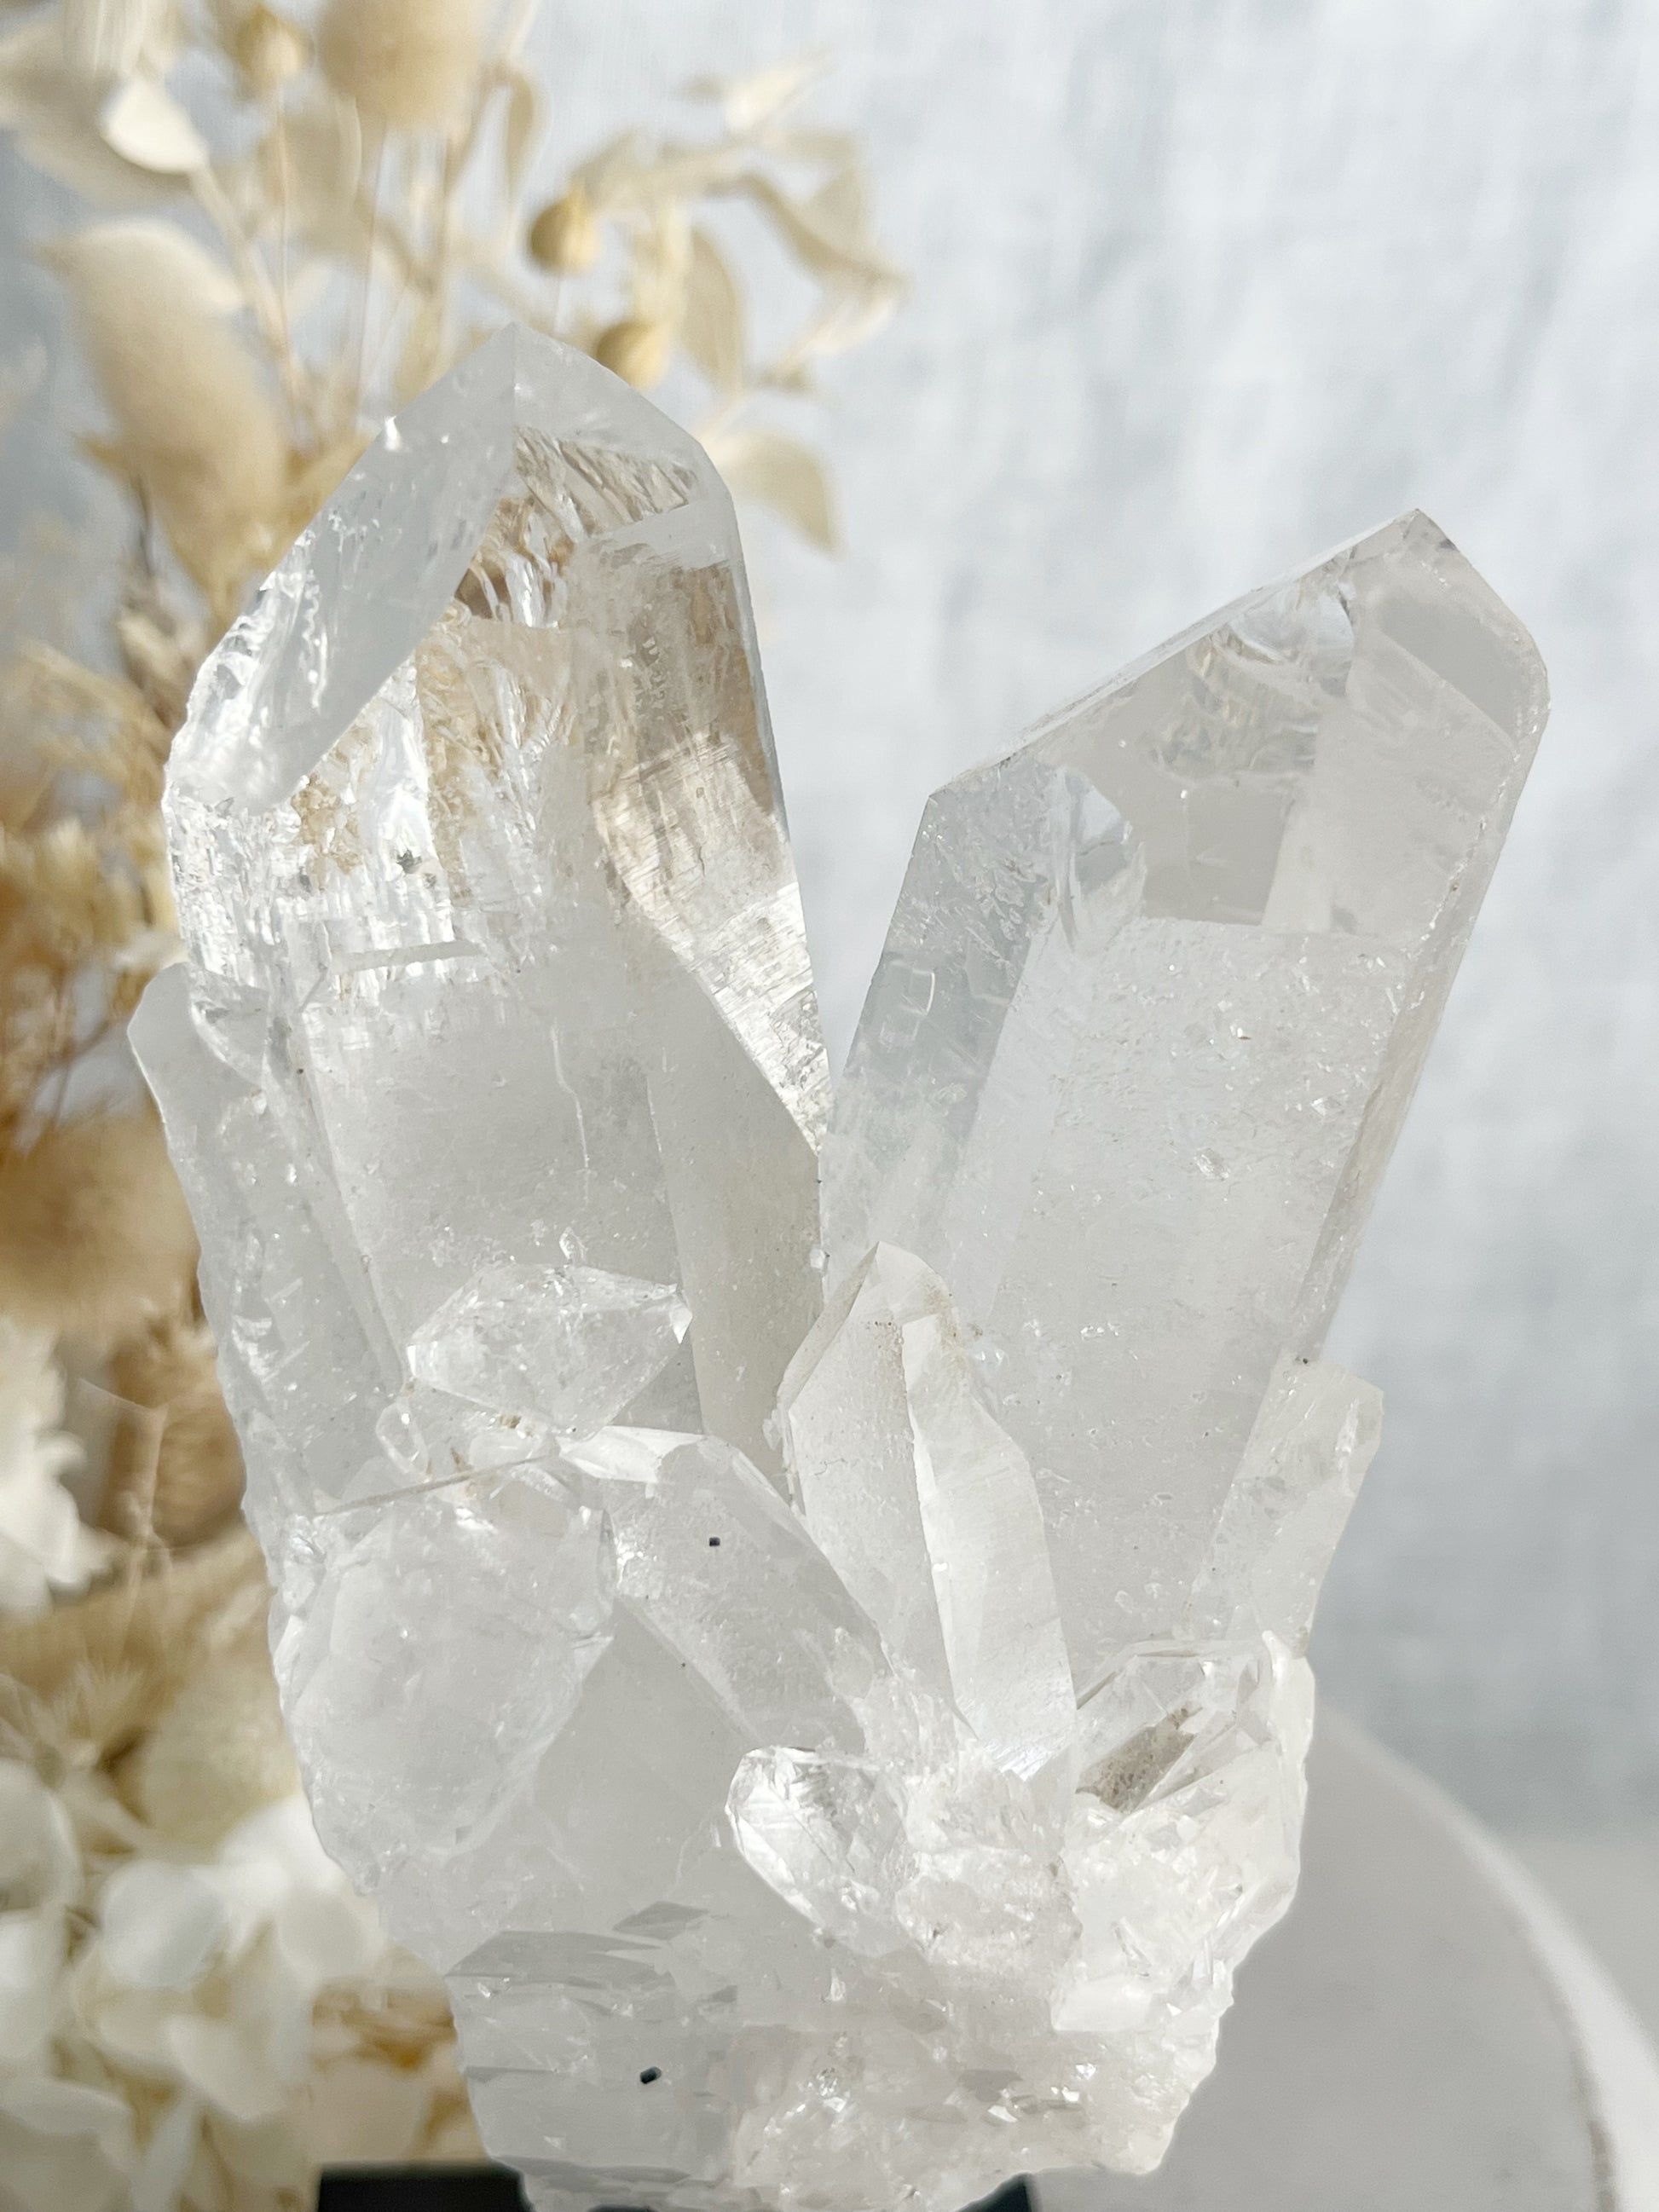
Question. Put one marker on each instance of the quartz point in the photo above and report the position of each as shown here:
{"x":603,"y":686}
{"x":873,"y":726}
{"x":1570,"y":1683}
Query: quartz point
{"x":799,"y":1613}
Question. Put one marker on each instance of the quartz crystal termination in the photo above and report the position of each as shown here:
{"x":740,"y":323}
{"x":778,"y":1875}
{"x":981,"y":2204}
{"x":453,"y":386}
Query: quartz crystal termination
{"x":828,"y":1695}
{"x":1156,"y":995}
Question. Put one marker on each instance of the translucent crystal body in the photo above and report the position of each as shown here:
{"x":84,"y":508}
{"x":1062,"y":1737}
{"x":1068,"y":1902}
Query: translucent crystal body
{"x":826,"y":1688}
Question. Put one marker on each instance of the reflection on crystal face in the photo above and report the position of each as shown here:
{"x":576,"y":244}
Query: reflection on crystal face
{"x":821,"y":1674}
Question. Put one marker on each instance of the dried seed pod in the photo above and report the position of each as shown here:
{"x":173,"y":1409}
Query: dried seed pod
{"x":637,"y":351}
{"x":268,"y":50}
{"x":566,"y":235}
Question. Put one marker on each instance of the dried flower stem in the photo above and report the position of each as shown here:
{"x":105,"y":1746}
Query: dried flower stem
{"x":264,"y":298}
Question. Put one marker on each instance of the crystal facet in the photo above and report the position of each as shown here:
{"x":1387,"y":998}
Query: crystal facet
{"x":824,"y":1683}
{"x":1155,"y":997}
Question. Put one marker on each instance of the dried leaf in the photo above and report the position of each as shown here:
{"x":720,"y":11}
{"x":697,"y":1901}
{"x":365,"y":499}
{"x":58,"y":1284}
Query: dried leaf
{"x":69,"y":150}
{"x":840,"y":209}
{"x":662,"y":267}
{"x":713,"y":332}
{"x":54,"y":114}
{"x":814,"y":243}
{"x":158,"y":659}
{"x":764,"y":464}
{"x":832,"y":149}
{"x":674,"y":172}
{"x":601,"y":172}
{"x":749,"y":102}
{"x":142,"y":123}
{"x":851,"y":314}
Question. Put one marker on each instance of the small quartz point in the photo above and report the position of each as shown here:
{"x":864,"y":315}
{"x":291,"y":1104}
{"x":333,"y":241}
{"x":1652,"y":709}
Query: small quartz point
{"x":926,"y":1510}
{"x":824,"y":1685}
{"x":572,"y":1345}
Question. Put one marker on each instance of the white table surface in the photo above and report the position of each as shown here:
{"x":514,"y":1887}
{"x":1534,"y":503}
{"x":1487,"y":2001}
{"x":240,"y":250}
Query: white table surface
{"x":1422,"y":2033}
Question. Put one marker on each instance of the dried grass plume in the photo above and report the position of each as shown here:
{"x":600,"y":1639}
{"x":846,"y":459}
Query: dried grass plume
{"x":197,"y":421}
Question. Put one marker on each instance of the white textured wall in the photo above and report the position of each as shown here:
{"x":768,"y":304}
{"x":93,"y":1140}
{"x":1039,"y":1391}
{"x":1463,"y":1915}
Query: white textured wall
{"x":1203,"y":286}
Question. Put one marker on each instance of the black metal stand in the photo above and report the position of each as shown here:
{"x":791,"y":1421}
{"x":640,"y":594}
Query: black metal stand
{"x":490,"y":2189}
{"x":420,"y":2188}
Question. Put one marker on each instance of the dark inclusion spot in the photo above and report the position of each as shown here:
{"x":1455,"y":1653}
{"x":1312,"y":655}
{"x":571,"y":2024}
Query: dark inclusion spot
{"x":713,"y":1543}
{"x":652,"y":2074}
{"x":409,"y":862}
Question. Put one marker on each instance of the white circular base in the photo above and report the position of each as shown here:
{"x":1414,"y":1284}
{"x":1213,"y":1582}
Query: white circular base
{"x":1423,"y":2034}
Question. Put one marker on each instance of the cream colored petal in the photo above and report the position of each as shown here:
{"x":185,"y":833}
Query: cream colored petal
{"x":364,"y":2111}
{"x":162,"y":1925}
{"x":226,"y":2068}
{"x":39,"y":1863}
{"x":142,"y":123}
{"x":327,"y":1935}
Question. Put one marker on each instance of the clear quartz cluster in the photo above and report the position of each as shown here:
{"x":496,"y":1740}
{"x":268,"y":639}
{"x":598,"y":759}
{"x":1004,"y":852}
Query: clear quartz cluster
{"x":797,"y":1610}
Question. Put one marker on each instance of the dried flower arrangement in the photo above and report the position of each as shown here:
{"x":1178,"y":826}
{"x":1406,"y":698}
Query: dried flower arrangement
{"x":195,"y":2013}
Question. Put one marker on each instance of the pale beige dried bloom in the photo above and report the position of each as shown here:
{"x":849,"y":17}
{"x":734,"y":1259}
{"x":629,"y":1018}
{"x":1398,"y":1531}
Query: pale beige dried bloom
{"x":409,"y":63}
{"x":636,"y":349}
{"x":175,"y":1468}
{"x":85,"y":910}
{"x":95,"y":1234}
{"x":98,"y":1712}
{"x":45,"y":1548}
{"x":198,"y":426}
{"x":565,"y":236}
{"x":156,"y":1624}
{"x":54,"y":886}
{"x":216,"y":1753}
{"x":159,"y":660}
